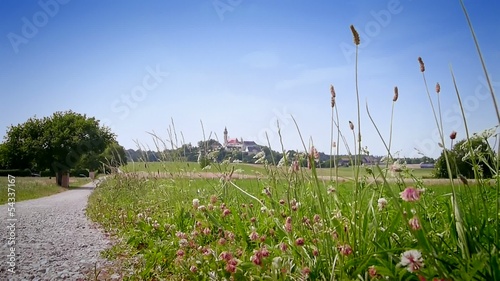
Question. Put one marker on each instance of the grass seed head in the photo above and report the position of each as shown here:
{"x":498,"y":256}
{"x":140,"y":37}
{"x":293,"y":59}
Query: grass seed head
{"x":421,"y":62}
{"x":351,"y":125}
{"x":438,"y":88}
{"x":396,"y":94}
{"x":453,"y":135}
{"x":355,"y":34}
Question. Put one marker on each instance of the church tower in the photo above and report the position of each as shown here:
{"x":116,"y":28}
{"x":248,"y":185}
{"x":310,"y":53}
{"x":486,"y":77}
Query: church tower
{"x":225,"y":136}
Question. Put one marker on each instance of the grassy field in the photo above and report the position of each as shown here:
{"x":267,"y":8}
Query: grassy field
{"x":251,"y":169}
{"x":275,"y":228}
{"x":35,"y":187}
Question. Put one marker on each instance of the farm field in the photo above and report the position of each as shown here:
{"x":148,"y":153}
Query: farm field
{"x":35,"y":187}
{"x":252,"y":169}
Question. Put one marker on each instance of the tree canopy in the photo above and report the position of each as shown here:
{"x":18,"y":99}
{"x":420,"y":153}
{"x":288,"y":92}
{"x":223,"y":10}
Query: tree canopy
{"x":58,"y":143}
{"x":461,"y":159}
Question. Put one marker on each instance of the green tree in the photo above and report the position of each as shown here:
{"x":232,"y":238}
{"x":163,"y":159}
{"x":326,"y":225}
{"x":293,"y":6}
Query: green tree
{"x":461,"y":159}
{"x":57,"y":142}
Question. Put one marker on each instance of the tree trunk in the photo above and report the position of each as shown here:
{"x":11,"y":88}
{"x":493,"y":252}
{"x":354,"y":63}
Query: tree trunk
{"x":59,"y":178}
{"x":62,"y":179}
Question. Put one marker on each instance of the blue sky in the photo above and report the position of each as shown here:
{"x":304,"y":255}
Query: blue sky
{"x":241,"y":64}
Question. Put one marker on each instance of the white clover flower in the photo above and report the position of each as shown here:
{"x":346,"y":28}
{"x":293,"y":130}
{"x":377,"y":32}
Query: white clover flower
{"x":382,"y":202}
{"x":196,"y":203}
{"x":412,"y":260}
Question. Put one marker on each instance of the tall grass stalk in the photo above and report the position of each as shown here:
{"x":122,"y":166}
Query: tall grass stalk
{"x":497,"y":110}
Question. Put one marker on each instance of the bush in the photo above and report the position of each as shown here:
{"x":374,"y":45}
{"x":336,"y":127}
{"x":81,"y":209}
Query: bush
{"x":460,"y":159}
{"x":16,"y":173}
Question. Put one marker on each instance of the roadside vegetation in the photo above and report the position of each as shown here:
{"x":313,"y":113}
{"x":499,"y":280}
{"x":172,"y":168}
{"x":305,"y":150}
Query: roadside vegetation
{"x":27,"y":188}
{"x":383,"y":222}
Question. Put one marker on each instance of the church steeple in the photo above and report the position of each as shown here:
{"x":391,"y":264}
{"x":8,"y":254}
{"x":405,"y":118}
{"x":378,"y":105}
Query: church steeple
{"x":225,"y":136}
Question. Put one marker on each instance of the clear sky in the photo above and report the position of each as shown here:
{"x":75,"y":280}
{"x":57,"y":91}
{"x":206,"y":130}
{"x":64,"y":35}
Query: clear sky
{"x":241,"y":64}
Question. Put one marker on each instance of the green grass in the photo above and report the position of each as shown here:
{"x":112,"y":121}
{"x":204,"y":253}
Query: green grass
{"x":27,"y":188}
{"x":152,"y":214}
{"x":245,"y":169}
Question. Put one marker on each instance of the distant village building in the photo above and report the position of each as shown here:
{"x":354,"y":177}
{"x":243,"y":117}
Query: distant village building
{"x":240,"y":145}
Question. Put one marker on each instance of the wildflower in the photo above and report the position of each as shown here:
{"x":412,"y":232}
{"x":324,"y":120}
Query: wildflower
{"x":183,"y":243}
{"x":213,"y":199}
{"x":305,"y":271}
{"x":180,"y":253}
{"x":140,"y":216}
{"x":283,"y":246}
{"x":331,"y":189}
{"x":229,"y":235}
{"x":414,"y":223}
{"x":317,"y":218}
{"x":382,"y":202}
{"x":282,"y":202}
{"x":314,"y":153}
{"x":156,"y":225}
{"x":193,"y":269}
{"x":355,"y":35}
{"x":263,"y":238}
{"x":396,"y":94}
{"x":210,"y":207}
{"x":299,"y":242}
{"x":254,"y":236}
{"x":256,"y":260}
{"x":231,"y":266}
{"x":206,"y":231}
{"x":372,"y":271}
{"x":264,"y":252}
{"x":222,"y":241}
{"x":396,"y":167}
{"x":453,"y":135}
{"x":412,"y":260}
{"x":295,"y":166}
{"x":206,"y":251}
{"x":288,"y":225}
{"x":225,"y":256}
{"x":196,"y":203}
{"x":422,"y":65}
{"x":315,"y":252}
{"x":266,"y":192}
{"x":438,"y":88}
{"x":226,"y":212}
{"x":345,"y":249}
{"x":411,"y":194}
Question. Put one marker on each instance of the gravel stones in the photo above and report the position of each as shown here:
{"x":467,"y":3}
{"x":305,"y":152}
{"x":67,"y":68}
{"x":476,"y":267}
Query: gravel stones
{"x":54,"y":239}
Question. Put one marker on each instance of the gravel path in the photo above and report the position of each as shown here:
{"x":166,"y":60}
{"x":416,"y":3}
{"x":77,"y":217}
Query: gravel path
{"x":54,"y":240}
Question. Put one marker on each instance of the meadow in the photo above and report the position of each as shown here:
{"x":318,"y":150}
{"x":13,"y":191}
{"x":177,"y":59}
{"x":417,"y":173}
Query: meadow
{"x":293,"y":223}
{"x":27,"y":188}
{"x":257,"y":170}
